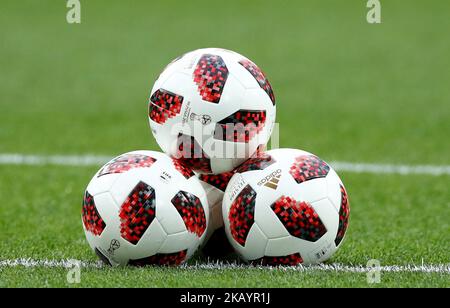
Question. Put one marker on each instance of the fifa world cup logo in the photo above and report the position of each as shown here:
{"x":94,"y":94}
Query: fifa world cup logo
{"x":202,"y":118}
{"x":113,"y":246}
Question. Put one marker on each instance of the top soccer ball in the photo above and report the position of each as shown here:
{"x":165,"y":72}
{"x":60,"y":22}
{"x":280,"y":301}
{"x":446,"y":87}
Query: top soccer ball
{"x":212,"y":108}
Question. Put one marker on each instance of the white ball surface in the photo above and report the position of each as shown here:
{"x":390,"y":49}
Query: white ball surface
{"x":199,"y":96}
{"x":144,"y":208}
{"x":285,"y":207}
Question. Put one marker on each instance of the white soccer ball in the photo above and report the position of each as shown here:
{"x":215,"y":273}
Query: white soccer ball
{"x":285,"y":207}
{"x":215,"y":185}
{"x":213,"y":108}
{"x":216,"y":244}
{"x":144,"y":208}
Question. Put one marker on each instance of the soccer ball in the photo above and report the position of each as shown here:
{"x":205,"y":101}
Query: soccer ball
{"x":212,"y":108}
{"x":216,"y":243}
{"x":215,"y":185}
{"x":285,"y":207}
{"x":144,"y":208}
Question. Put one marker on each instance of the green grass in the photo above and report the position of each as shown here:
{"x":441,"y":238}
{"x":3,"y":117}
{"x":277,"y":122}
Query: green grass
{"x":183,"y":278}
{"x":346,"y":90}
{"x":391,"y":221}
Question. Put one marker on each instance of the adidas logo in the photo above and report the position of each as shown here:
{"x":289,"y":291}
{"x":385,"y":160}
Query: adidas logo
{"x":271,"y":181}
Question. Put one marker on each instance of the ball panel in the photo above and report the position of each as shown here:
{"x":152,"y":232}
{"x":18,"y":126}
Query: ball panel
{"x":167,"y":214}
{"x":151,"y":242}
{"x":311,"y":191}
{"x":327,"y":214}
{"x":179,"y":241}
{"x":137,"y":212}
{"x":231,"y":101}
{"x":344,"y":213}
{"x":283,"y":246}
{"x":182,"y":64}
{"x":254,"y":247}
{"x":191,"y":211}
{"x":164,"y":105}
{"x":184,"y":170}
{"x":127,"y":162}
{"x":260,"y":161}
{"x":126,"y":182}
{"x":92,"y":220}
{"x":248,"y":103}
{"x":210,"y":75}
{"x":308,"y":167}
{"x":107,"y":208}
{"x":324,"y":248}
{"x":241,"y":214}
{"x":99,"y":185}
{"x":241,"y":126}
{"x":265,"y":217}
{"x":222,"y":165}
{"x":320,"y":253}
{"x":256,"y":72}
{"x":333,"y":189}
{"x":299,"y":218}
{"x":191,"y":154}
{"x":219,"y":181}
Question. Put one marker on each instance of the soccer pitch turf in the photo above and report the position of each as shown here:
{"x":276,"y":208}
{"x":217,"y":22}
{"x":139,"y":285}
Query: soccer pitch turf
{"x":346,"y":90}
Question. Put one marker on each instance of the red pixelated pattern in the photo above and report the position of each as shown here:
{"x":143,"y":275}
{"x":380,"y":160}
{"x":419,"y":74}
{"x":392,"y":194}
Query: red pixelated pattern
{"x":191,"y":155}
{"x":161,"y":259}
{"x":191,"y":210}
{"x":242,"y":214}
{"x":259,"y":161}
{"x":241,"y":126}
{"x":210,"y":75}
{"x":290,"y":260}
{"x":137,"y":212}
{"x":261,"y":148}
{"x":219,"y":181}
{"x":164,"y":105}
{"x":299,"y":219}
{"x":184,"y":170}
{"x":92,"y":220}
{"x":260,"y":77}
{"x":308,"y":167}
{"x":344,"y":214}
{"x":127,"y":162}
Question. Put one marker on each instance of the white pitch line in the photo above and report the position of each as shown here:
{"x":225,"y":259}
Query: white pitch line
{"x":411,"y":268}
{"x":391,"y":169}
{"x":58,"y":160}
{"x":68,"y":263}
{"x":97,"y":160}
